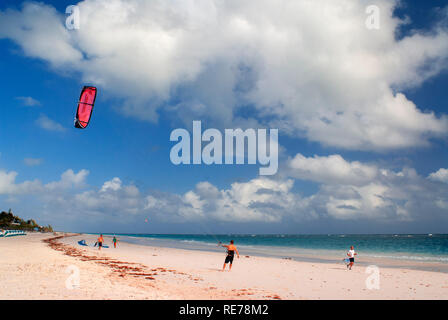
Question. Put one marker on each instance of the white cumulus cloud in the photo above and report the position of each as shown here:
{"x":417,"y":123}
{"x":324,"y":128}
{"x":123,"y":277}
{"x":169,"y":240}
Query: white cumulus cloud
{"x":32,"y":162}
{"x":48,"y":124}
{"x":29,"y":101}
{"x":310,"y":68}
{"x":331,"y":170}
{"x":388,"y":197}
{"x":440,"y":175}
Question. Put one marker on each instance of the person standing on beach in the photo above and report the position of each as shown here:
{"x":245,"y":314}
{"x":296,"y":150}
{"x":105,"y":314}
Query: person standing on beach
{"x":351,"y":255}
{"x":115,"y":241}
{"x":231,"y":249}
{"x":100,"y":241}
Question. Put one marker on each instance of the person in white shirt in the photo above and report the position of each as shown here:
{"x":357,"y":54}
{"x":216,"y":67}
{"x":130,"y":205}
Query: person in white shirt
{"x":351,"y":255}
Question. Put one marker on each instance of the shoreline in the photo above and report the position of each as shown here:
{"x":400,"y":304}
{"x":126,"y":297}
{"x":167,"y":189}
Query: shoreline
{"x":142,"y":272}
{"x":279,"y":252}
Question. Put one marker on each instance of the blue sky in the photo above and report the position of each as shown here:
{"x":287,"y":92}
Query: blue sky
{"x":128,"y":137}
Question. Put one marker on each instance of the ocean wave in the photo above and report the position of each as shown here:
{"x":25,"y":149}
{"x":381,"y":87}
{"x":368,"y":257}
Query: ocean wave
{"x":405,"y":257}
{"x":141,"y":238}
{"x":198,"y":242}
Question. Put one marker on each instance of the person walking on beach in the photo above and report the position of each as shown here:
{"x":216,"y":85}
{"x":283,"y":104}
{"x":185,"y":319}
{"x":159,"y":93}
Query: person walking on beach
{"x":231,"y":249}
{"x":115,"y":241}
{"x":351,"y":256}
{"x":100,"y":241}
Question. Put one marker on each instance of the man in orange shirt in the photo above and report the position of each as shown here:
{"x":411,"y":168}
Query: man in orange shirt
{"x":231,"y":249}
{"x":100,"y":242}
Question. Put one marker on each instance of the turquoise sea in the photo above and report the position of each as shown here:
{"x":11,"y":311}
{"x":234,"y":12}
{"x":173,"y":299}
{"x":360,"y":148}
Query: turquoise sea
{"x":417,"y":250}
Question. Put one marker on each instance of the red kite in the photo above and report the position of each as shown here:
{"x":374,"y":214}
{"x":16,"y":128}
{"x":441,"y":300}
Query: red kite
{"x":85,"y":107}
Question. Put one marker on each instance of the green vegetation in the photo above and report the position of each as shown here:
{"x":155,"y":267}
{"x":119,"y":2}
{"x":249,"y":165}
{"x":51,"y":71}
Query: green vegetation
{"x":11,"y":222}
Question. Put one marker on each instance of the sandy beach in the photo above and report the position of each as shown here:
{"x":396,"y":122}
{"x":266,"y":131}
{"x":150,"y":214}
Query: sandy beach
{"x":41,"y":266}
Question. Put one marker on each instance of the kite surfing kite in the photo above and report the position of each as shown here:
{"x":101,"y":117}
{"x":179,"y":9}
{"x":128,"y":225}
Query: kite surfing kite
{"x":85,"y":107}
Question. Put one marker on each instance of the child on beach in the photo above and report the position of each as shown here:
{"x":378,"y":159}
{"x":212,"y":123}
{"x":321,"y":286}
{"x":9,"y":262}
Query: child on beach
{"x":231,"y":249}
{"x":115,"y":241}
{"x":351,"y":255}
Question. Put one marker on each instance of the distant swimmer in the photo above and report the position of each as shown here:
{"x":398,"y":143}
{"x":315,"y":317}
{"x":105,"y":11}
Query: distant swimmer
{"x":115,"y":241}
{"x":231,"y":249}
{"x":100,"y":241}
{"x":351,"y":256}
